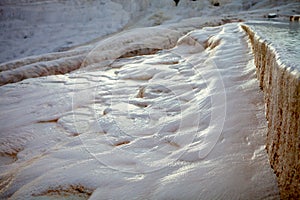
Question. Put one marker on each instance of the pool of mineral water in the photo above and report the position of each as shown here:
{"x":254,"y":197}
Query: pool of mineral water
{"x":284,"y":37}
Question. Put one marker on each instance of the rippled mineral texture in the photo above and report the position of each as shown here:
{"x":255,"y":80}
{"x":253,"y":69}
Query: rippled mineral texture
{"x":281,"y":86}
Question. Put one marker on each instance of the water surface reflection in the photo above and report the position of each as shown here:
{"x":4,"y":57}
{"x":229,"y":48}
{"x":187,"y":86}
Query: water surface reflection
{"x":284,"y":36}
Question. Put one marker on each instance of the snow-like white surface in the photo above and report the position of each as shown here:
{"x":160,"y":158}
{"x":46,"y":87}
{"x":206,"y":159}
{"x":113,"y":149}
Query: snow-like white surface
{"x":185,"y":121}
{"x":38,"y":27}
{"x":182,"y":123}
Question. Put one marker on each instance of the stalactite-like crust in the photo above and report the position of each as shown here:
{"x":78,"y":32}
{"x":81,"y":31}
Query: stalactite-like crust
{"x":282,"y":97}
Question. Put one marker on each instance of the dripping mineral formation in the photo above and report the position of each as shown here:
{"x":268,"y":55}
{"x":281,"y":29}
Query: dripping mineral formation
{"x":281,"y":86}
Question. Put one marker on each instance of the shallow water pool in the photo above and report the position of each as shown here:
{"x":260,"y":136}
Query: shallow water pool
{"x":284,"y":37}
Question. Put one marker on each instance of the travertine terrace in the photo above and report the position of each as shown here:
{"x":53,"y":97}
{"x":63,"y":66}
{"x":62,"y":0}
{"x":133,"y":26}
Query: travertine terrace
{"x":281,"y":86}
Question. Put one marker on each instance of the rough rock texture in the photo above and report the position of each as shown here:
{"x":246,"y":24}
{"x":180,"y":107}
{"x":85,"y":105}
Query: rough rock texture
{"x":281,"y":88}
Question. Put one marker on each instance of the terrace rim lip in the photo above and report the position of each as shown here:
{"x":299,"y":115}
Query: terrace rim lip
{"x":272,"y":15}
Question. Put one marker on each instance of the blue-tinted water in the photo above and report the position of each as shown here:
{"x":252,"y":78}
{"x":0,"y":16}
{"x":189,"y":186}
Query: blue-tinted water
{"x":284,"y":37}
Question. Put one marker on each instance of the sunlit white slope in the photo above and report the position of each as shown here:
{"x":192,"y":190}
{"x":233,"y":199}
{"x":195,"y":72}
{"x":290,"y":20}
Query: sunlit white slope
{"x":184,"y":123}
